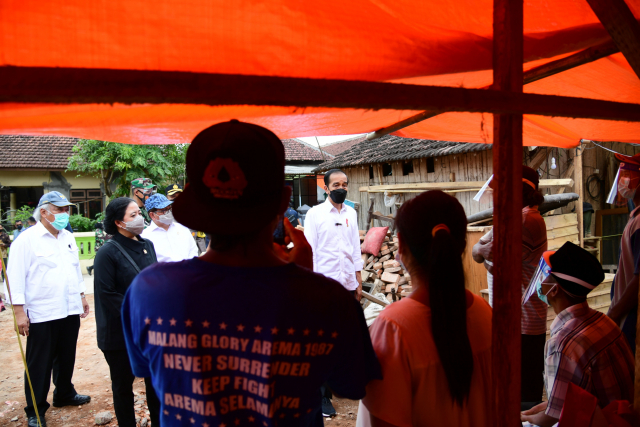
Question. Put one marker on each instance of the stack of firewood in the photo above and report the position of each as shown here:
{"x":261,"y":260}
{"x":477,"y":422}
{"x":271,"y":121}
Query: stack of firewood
{"x":382,"y":273}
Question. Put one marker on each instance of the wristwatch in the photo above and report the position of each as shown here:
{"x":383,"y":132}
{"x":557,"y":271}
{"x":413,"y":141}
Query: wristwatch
{"x":82,"y":296}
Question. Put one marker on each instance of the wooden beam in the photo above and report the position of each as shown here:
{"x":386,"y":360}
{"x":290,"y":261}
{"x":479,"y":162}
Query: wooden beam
{"x":572,"y":61}
{"x":636,"y":396}
{"x":459,"y":185}
{"x":82,"y":86}
{"x":578,"y":188}
{"x":543,"y":71}
{"x":622,"y":26}
{"x":507,"y":230}
{"x":567,"y":173}
{"x":539,"y":158}
{"x":371,"y":298}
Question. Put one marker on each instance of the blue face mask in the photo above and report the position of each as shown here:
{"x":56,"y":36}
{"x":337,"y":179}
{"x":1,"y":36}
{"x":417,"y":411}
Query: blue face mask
{"x":543,"y":297}
{"x":61,"y":221}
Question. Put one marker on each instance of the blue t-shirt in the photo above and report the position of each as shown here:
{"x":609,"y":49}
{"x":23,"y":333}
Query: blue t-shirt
{"x":245,"y":346}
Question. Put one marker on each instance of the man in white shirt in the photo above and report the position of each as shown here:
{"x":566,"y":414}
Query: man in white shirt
{"x":331,"y":229}
{"x":172,"y":241}
{"x":47,"y":292}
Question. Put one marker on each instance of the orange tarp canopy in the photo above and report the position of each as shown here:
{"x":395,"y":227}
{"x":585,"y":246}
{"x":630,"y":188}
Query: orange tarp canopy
{"x":420,"y":42}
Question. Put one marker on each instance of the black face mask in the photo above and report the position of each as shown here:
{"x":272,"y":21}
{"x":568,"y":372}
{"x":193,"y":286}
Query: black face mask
{"x":19,"y":227}
{"x":144,"y":197}
{"x":338,"y":196}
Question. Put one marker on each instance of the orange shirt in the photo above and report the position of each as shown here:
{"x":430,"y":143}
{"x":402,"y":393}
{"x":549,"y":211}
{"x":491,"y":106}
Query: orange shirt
{"x":414,"y":391}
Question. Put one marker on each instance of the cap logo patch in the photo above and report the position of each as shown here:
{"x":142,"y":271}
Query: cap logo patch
{"x":175,"y":187}
{"x":225,"y":179}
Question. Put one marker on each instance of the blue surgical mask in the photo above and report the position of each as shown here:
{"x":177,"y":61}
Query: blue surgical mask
{"x":61,"y":221}
{"x":543,"y":297}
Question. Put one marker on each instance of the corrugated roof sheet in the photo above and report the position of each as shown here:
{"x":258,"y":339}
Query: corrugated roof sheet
{"x":391,"y":148}
{"x":35,"y":152}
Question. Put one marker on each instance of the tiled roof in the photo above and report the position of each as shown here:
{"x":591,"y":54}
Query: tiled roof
{"x":342,"y":146}
{"x":295,"y":149}
{"x":35,"y":152}
{"x":393,"y":148}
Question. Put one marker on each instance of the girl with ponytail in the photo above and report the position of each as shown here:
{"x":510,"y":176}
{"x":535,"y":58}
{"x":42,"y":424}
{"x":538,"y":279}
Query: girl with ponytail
{"x":435,"y":346}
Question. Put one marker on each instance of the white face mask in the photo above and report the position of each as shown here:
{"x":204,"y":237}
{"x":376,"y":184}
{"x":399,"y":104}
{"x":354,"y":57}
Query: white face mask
{"x":135,"y":226}
{"x":167,"y":218}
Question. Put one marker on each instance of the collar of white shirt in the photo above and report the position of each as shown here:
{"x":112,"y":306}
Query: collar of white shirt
{"x":41,"y":230}
{"x":153,"y":227}
{"x":328,"y":206}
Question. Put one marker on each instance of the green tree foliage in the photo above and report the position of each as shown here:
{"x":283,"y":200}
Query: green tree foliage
{"x":80,"y":223}
{"x":121,"y":163}
{"x":24,"y":213}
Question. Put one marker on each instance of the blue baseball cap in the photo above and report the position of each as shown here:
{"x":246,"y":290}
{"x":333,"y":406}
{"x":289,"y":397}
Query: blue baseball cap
{"x":157,"y":201}
{"x":55,"y":198}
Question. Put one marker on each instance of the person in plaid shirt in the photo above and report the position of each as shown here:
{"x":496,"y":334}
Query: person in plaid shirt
{"x":586,"y":347}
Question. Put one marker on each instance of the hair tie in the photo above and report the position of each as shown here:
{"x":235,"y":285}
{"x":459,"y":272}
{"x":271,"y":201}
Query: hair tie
{"x":437,"y":228}
{"x":531,"y":184}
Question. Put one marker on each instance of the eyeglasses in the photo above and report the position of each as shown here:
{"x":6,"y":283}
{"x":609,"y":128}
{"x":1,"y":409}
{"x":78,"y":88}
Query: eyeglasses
{"x":163,"y":211}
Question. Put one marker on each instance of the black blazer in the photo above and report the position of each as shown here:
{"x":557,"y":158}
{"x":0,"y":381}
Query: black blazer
{"x":113,"y":275}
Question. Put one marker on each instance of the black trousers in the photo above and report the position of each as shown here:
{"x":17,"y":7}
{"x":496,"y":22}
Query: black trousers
{"x":325,"y":391}
{"x":51,"y":347}
{"x":532,"y":368}
{"x":122,"y":385}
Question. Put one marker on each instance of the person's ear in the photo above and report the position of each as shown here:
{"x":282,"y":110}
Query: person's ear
{"x":553,"y":293}
{"x":400,"y":244}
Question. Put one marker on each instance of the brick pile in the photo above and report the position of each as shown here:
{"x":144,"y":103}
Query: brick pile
{"x":383,"y":274}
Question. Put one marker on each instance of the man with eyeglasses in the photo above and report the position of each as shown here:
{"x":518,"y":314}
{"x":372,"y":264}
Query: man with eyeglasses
{"x":47,"y":291}
{"x":172,"y":241}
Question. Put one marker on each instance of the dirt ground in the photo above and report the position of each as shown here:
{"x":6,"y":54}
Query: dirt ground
{"x":91,"y":377}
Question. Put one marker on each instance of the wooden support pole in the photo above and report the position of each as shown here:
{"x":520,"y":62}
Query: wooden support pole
{"x":90,"y":86}
{"x":579,"y":189}
{"x":622,"y":26}
{"x":507,"y":230}
{"x":636,"y":393}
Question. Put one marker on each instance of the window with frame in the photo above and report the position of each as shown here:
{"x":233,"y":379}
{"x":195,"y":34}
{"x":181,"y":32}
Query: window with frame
{"x":89,"y":202}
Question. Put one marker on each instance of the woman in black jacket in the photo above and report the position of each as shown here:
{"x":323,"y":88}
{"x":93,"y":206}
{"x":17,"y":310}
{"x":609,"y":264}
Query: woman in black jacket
{"x":116,"y":265}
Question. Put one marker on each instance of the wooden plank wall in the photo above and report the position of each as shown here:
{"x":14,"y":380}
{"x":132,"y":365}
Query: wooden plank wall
{"x":479,"y":167}
{"x":594,"y":158}
{"x":466,"y":167}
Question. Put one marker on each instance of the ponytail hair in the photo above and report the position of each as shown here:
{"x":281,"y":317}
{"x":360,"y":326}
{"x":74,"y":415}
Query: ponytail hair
{"x":530,"y":196}
{"x":434,"y":229}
